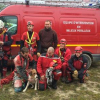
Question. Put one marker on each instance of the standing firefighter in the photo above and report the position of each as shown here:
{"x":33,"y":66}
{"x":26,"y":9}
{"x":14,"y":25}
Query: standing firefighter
{"x":46,"y":65}
{"x":77,"y":66}
{"x":30,"y":39}
{"x":65,"y":54}
{"x":5,"y":48}
{"x":48,"y":37}
{"x":21,"y":63}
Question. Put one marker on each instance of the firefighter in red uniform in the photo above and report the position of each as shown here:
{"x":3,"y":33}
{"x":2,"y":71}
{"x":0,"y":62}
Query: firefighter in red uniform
{"x":65,"y":54}
{"x":21,"y":62}
{"x":30,"y":39}
{"x":5,"y":48}
{"x":43,"y":64}
{"x":77,"y":66}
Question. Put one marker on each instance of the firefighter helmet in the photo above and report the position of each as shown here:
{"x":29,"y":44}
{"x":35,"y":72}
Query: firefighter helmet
{"x":1,"y":24}
{"x":63,"y":41}
{"x":78,"y":49}
{"x":30,"y":23}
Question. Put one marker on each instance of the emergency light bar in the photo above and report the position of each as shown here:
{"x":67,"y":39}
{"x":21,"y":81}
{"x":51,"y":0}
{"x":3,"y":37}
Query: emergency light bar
{"x":65,"y":3}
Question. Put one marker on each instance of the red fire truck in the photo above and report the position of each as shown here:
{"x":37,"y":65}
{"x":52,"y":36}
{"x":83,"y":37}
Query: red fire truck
{"x":79,"y":26}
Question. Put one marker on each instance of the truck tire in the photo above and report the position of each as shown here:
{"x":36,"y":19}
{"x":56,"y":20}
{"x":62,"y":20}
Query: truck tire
{"x":89,"y":60}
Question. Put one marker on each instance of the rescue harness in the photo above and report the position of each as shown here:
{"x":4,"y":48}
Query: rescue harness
{"x":29,"y":41}
{"x":61,"y":56}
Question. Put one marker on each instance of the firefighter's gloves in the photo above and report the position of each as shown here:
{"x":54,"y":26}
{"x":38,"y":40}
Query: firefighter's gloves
{"x":38,"y":54}
{"x":75,"y":74}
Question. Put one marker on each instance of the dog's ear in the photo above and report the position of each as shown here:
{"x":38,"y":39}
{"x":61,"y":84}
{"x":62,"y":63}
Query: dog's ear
{"x":34,"y":71}
{"x":30,"y":73}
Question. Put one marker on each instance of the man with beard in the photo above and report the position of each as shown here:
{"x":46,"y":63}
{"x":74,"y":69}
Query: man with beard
{"x":22,"y":67}
{"x":20,"y":74}
{"x":30,"y":39}
{"x":48,"y":37}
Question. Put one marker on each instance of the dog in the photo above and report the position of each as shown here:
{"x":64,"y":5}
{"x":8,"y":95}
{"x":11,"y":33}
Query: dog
{"x":32,"y":79}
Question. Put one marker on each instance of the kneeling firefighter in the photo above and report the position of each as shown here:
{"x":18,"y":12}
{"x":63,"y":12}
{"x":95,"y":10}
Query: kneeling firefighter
{"x":77,"y":66}
{"x":44,"y":64}
{"x":22,"y":68}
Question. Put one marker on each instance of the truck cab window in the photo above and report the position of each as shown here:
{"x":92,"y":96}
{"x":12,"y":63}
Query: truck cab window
{"x":10,"y":23}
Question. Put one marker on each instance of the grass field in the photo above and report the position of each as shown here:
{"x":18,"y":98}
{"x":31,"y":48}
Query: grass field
{"x":90,"y":90}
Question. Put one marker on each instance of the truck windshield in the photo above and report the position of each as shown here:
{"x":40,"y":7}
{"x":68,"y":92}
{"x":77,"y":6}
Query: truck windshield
{"x":10,"y":23}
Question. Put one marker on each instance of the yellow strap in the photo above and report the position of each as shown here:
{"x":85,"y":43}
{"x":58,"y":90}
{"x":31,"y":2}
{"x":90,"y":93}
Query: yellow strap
{"x":60,"y":53}
{"x":54,"y":61}
{"x":3,"y":32}
{"x":30,"y":40}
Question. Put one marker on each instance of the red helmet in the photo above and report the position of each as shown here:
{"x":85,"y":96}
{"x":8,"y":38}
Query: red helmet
{"x":30,"y":23}
{"x":63,"y":41}
{"x":78,"y":49}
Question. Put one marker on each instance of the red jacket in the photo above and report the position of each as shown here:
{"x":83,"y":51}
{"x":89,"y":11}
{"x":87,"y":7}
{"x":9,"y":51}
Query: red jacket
{"x":7,"y":39}
{"x":66,"y":54}
{"x":78,"y":63}
{"x":35,"y":38}
{"x":21,"y":65}
{"x":44,"y":62}
{"x":19,"y":61}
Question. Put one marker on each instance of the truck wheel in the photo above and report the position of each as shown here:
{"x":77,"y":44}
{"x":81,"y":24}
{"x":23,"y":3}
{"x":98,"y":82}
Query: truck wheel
{"x":89,"y":60}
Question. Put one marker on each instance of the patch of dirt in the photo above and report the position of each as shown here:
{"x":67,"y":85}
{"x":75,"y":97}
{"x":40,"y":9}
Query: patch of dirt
{"x":92,"y":82}
{"x":11,"y":91}
{"x":26,"y":94}
{"x":90,"y":86}
{"x":3,"y":89}
{"x":64,"y":94}
{"x":35,"y":98}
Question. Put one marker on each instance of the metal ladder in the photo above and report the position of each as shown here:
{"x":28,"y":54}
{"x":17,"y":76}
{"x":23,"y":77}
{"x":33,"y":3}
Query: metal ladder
{"x":62,"y":3}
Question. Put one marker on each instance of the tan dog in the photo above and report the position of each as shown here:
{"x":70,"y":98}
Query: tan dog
{"x":32,"y":79}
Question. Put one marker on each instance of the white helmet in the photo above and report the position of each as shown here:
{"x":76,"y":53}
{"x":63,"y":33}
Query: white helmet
{"x":1,"y":24}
